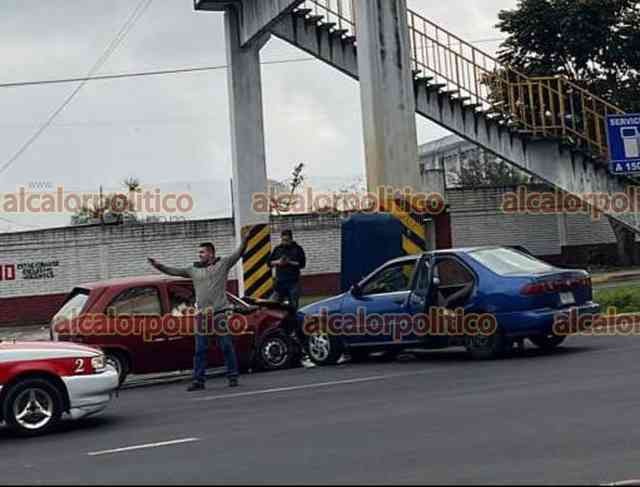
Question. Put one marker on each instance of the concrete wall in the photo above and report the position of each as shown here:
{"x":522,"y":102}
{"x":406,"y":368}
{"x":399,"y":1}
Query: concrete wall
{"x":476,"y":219}
{"x":85,"y":254}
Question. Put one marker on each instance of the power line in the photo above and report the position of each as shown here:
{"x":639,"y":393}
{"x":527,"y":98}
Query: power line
{"x":140,"y":9}
{"x":142,"y":73}
{"x":163,"y":72}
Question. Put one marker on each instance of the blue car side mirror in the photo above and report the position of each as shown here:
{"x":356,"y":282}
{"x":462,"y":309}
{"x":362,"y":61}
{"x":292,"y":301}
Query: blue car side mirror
{"x":356,"y":291}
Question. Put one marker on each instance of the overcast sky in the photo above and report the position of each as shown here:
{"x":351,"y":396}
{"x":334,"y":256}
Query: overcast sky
{"x":175,"y":128}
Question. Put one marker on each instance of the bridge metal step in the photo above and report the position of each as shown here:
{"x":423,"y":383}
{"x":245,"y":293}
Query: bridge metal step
{"x":340,"y":32}
{"x":349,"y":39}
{"x":436,"y":86}
{"x":450,"y":93}
{"x":327,"y":26}
{"x":424,"y":79}
{"x":473,"y":106}
{"x":302,"y":12}
{"x":314,"y":19}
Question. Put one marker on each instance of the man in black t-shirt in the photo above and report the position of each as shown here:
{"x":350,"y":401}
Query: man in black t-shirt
{"x":288,"y":259}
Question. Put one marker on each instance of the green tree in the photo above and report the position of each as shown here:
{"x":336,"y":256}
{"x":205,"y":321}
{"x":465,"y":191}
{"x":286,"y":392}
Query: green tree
{"x":282,"y":203}
{"x":595,"y":43}
{"x":110,"y":208}
{"x":489,"y":171}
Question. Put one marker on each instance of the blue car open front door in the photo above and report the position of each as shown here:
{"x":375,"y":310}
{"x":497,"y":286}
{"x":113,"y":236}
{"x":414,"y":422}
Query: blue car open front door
{"x":420,"y":299}
{"x":378,"y":301}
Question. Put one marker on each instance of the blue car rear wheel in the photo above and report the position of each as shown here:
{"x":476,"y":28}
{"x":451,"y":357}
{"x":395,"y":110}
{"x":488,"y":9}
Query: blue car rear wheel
{"x":547,"y":342}
{"x":487,"y":347}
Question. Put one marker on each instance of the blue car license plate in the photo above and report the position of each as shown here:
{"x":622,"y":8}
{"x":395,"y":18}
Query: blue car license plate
{"x":567,"y":298}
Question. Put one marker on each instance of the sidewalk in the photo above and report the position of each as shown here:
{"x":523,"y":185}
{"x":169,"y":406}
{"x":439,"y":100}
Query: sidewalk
{"x":618,"y":276}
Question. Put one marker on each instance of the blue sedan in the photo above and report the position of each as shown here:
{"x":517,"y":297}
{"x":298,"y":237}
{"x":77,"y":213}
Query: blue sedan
{"x":485,"y":299}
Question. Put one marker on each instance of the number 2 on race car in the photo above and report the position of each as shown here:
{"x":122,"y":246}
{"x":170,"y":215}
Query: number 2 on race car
{"x":79,"y":366}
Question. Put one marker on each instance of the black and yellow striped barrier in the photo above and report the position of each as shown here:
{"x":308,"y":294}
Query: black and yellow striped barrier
{"x":258,"y":280}
{"x":414,"y":235}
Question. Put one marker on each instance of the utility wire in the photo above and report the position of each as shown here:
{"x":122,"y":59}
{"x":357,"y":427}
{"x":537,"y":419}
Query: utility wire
{"x":162,"y":72}
{"x":143,"y":73}
{"x":140,"y":9}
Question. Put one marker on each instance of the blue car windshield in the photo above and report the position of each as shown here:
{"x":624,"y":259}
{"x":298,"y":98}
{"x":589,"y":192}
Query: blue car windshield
{"x":506,"y":262}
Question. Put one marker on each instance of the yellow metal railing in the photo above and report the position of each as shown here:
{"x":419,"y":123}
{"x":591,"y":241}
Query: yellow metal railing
{"x":540,"y":106}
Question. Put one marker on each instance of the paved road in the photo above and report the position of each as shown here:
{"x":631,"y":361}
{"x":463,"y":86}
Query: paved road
{"x":567,"y":417}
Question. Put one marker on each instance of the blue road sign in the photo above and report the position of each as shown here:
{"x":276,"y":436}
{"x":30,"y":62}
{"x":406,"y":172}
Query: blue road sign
{"x":623,"y":133}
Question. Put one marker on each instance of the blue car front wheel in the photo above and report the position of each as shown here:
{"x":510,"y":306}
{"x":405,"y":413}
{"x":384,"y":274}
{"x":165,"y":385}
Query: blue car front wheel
{"x":324,"y":349}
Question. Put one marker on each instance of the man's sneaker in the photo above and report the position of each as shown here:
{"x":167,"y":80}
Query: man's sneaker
{"x":307,"y":363}
{"x":233,"y":382}
{"x":196,"y":386}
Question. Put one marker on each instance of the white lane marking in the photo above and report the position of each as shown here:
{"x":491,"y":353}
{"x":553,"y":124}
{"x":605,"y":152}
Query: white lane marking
{"x":315,"y":385}
{"x":625,"y":482}
{"x":140,"y":447}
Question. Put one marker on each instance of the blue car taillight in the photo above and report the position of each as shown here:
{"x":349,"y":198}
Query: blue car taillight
{"x":554,"y":286}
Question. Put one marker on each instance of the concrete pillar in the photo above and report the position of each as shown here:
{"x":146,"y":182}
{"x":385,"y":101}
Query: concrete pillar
{"x":434,"y":176}
{"x":248,"y":154}
{"x":387,"y":93}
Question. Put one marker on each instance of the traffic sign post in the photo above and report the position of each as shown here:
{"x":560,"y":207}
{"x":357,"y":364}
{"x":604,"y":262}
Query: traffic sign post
{"x":623,"y":134}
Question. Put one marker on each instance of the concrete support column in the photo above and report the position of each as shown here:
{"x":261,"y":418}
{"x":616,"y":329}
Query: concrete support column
{"x":387,"y":92}
{"x":434,"y":176}
{"x":248,"y":155}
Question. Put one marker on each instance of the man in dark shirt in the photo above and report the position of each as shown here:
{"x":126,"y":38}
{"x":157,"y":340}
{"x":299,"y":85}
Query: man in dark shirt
{"x":288,"y":259}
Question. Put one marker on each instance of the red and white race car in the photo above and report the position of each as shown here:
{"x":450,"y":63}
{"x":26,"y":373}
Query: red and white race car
{"x":41,"y":381}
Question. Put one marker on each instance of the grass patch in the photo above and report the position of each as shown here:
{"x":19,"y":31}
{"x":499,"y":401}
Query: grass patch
{"x":624,"y":300}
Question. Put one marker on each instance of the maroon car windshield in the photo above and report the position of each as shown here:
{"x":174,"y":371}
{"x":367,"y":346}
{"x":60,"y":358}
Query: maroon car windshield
{"x":73,"y":306}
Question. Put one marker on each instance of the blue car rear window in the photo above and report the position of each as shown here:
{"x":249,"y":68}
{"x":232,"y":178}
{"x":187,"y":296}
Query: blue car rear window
{"x":505,"y":262}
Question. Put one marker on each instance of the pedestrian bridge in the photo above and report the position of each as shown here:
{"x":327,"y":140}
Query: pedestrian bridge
{"x":549,"y":127}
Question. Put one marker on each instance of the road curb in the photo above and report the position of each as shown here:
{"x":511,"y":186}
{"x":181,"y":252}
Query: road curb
{"x":609,"y":278}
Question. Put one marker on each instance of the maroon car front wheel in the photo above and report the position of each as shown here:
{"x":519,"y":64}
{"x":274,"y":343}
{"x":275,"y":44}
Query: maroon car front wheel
{"x":275,"y":352}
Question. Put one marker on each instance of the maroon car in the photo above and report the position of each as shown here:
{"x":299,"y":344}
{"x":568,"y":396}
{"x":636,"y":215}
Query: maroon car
{"x":145,"y":325}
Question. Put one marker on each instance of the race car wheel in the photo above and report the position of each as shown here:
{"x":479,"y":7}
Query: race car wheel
{"x":33,"y":407}
{"x":547,"y":342}
{"x":324,"y":349}
{"x":118,"y":361}
{"x":275,"y":352}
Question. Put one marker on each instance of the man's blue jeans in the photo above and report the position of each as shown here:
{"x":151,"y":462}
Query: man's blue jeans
{"x":203,"y":334}
{"x":288,"y":291}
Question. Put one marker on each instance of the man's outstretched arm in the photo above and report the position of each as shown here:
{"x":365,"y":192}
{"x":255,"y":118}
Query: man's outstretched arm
{"x":239,"y":252}
{"x":171,"y":271}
